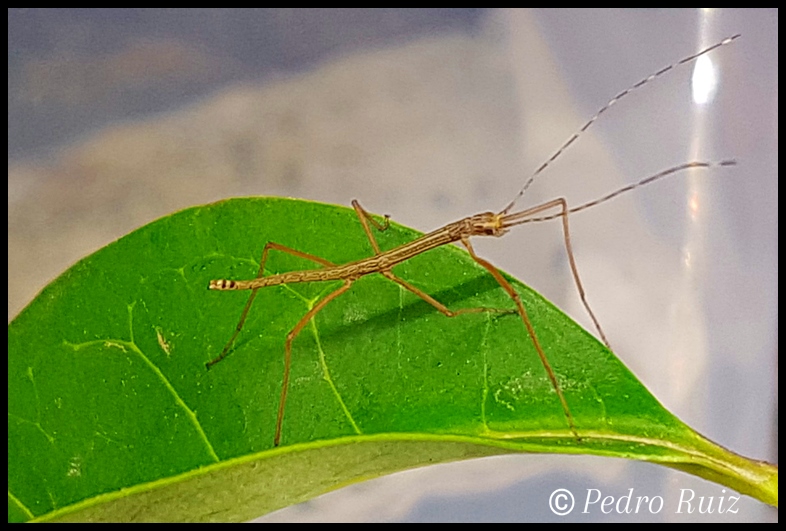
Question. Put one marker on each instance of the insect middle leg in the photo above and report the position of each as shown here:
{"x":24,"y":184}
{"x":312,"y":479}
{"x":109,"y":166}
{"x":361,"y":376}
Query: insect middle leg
{"x":502,"y":281}
{"x":435,"y":303}
{"x":244,"y":315}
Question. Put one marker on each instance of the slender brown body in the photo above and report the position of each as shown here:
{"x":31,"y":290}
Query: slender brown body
{"x":487,"y":223}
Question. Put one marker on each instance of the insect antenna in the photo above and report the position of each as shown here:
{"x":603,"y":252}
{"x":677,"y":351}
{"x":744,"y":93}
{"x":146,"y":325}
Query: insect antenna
{"x":606,"y":107}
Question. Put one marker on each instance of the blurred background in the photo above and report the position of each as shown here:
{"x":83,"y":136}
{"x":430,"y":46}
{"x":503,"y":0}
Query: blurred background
{"x":119,"y":117}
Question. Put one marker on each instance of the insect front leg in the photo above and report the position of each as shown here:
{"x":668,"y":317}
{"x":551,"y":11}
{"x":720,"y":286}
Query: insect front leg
{"x":365,"y":216}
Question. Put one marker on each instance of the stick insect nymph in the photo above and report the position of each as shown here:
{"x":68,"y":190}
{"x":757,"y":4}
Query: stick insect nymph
{"x":484,"y":224}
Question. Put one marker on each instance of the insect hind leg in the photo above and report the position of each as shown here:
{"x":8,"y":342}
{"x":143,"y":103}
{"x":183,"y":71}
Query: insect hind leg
{"x":260,"y":273}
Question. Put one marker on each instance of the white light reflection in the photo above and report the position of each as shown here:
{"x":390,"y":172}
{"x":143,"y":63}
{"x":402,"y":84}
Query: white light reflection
{"x":704,"y":81}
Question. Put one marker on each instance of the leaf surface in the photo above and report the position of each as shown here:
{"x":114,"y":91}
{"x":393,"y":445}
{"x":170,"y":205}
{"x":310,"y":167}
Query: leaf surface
{"x":113,"y":416}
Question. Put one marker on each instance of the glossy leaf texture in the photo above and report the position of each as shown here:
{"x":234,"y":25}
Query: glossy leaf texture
{"x":112,"y":415}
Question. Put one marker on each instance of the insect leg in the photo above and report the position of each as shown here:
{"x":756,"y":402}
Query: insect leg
{"x":288,"y":353}
{"x":530,"y":329}
{"x":365,"y":216}
{"x":268,"y":247}
{"x":435,"y":303}
{"x":563,"y":214}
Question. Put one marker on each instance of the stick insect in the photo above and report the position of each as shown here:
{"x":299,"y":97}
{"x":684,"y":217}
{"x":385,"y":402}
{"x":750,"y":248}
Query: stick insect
{"x":484,"y":224}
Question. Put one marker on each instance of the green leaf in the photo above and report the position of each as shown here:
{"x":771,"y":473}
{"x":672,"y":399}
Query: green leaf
{"x":113,"y":416}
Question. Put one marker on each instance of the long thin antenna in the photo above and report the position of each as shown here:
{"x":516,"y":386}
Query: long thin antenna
{"x":603,"y":109}
{"x":519,"y":219}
